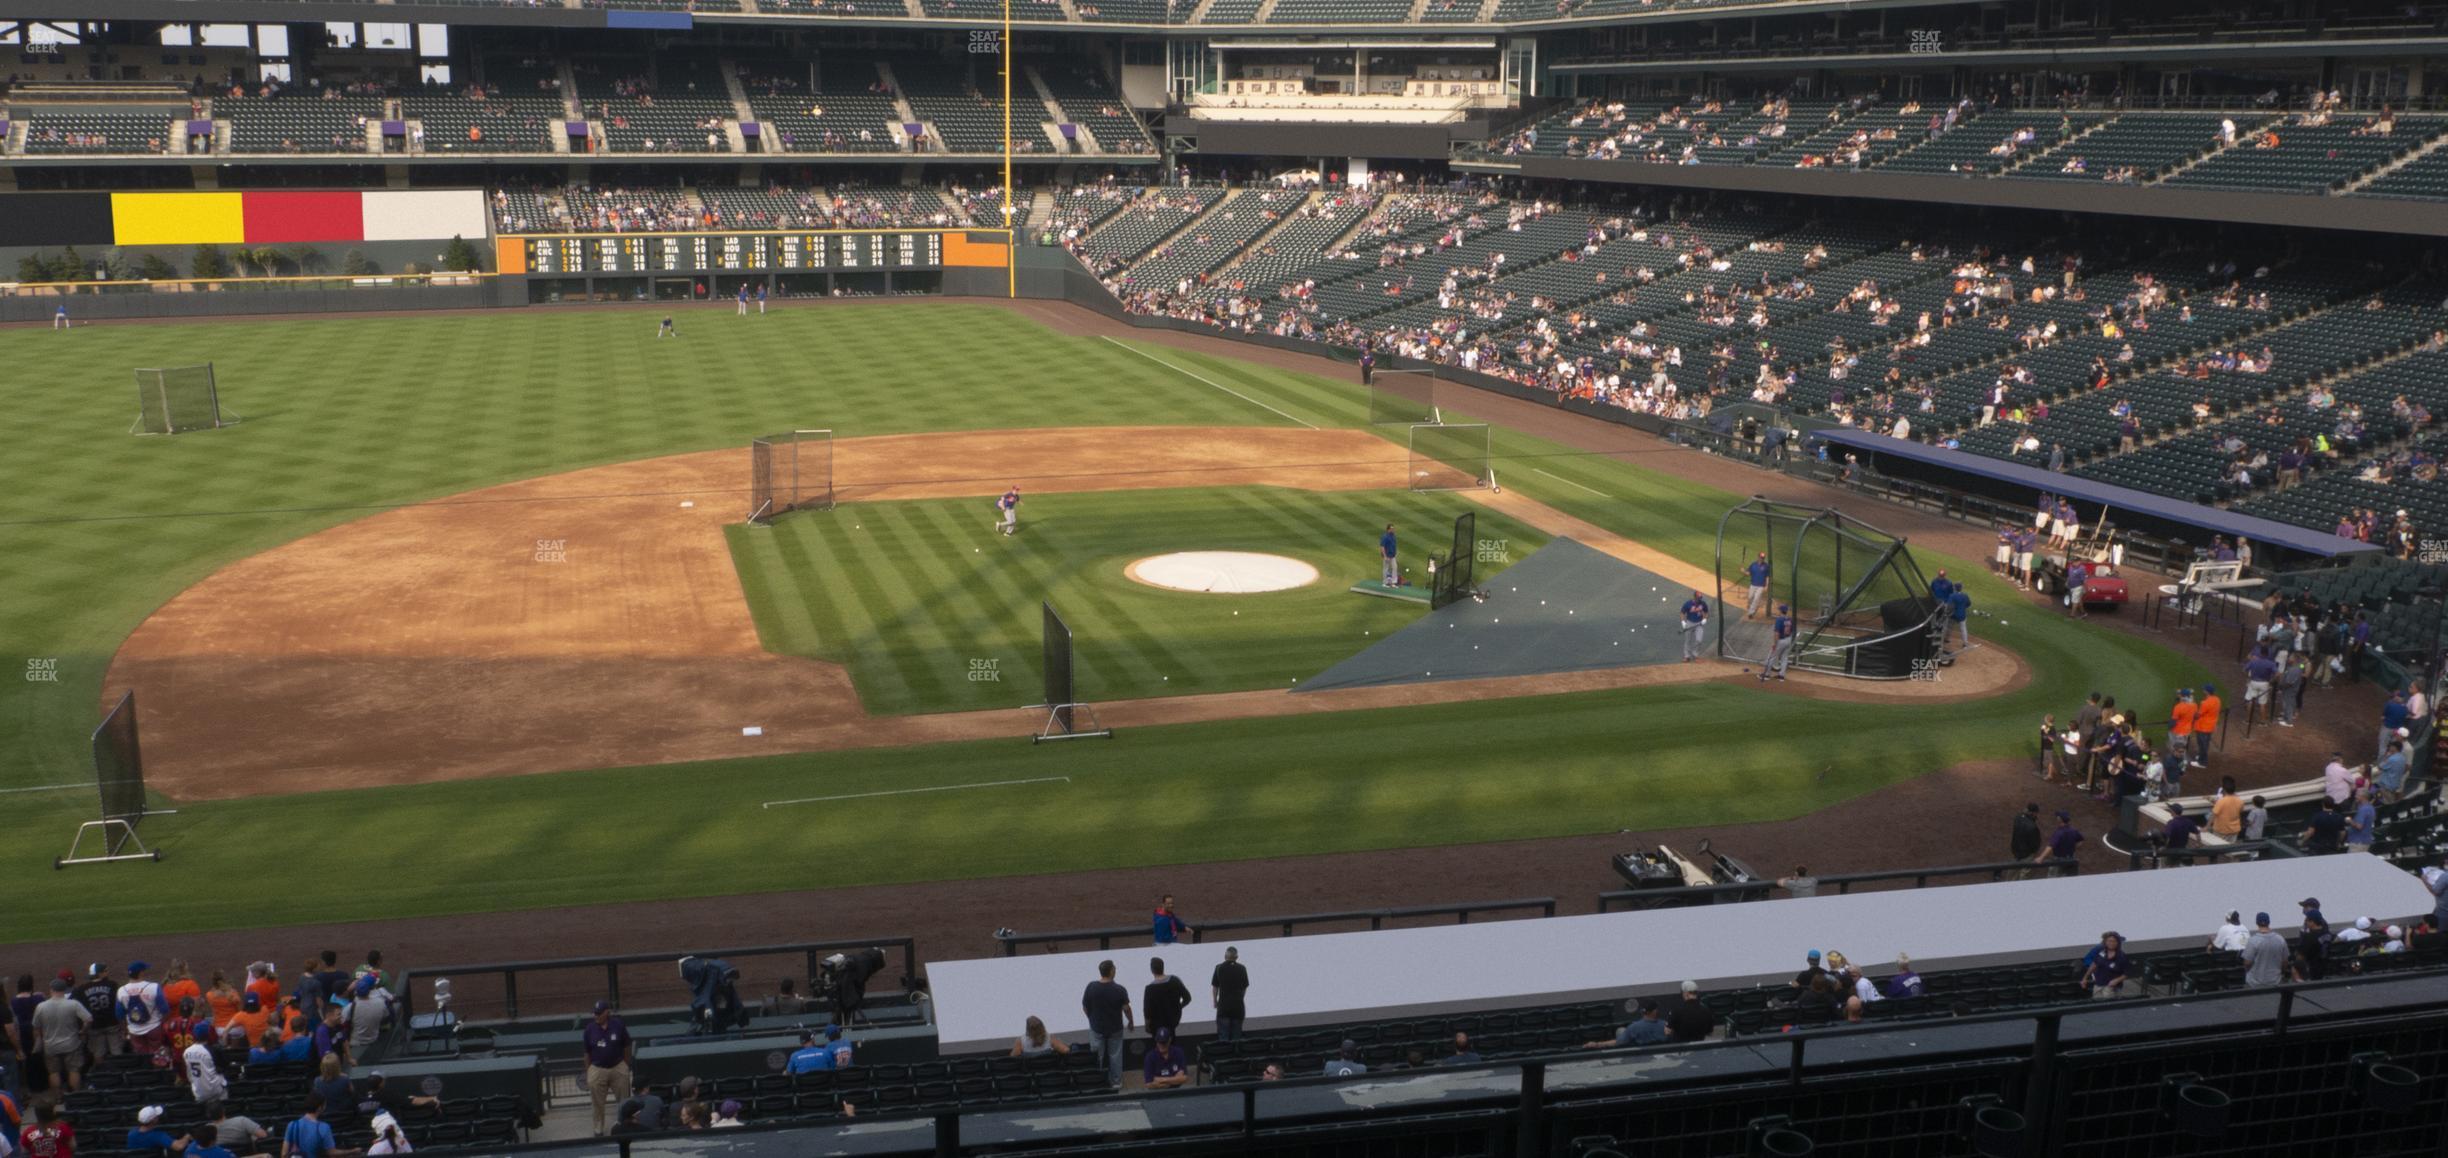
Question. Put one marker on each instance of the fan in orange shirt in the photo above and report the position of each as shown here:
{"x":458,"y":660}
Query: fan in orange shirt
{"x":2205,"y":723}
{"x":180,"y":984}
{"x":2181,"y":720}
{"x":223,"y":997}
{"x":263,"y":980}
{"x":251,"y":1017}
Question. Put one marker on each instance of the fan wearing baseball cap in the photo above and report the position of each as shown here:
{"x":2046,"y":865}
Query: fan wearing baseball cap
{"x":1163,"y":1069}
{"x":148,"y":1134}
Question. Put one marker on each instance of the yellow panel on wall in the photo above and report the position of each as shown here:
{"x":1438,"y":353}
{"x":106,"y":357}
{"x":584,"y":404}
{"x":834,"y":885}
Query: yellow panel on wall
{"x":178,"y":218}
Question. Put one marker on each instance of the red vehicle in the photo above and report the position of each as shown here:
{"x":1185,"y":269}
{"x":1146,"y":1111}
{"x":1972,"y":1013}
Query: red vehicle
{"x":2104,"y":587}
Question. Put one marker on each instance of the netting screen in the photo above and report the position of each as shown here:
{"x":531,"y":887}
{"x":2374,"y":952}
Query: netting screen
{"x":812,"y":470}
{"x":1447,"y":457}
{"x":176,"y":399}
{"x":118,"y":763}
{"x":1455,"y":580}
{"x":1402,"y":398}
{"x":760,"y":480}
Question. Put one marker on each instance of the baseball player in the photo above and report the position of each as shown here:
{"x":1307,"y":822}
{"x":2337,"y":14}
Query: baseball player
{"x":1385,"y":550}
{"x":59,"y":317}
{"x":1695,"y":625}
{"x":666,"y":331}
{"x":743,"y":299}
{"x":1757,"y":604}
{"x":1780,"y":654}
{"x":1009,"y":504}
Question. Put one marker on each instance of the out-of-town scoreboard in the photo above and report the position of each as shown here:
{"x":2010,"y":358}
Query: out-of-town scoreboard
{"x":696,"y":253}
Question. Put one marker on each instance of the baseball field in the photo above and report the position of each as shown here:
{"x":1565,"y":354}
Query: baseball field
{"x":461,"y":619}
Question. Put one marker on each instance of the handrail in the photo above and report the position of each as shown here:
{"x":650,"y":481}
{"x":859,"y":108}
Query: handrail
{"x":1375,"y":917}
{"x":1759,"y":889}
{"x":2146,"y":857}
{"x":509,"y":971}
{"x":1535,"y":1093}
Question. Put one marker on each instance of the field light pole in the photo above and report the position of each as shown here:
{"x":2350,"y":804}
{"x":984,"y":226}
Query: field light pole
{"x":1011,"y":235}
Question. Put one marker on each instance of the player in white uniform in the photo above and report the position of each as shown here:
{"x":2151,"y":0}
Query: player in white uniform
{"x":1009,"y":504}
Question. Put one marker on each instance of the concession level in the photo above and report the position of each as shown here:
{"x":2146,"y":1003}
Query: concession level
{"x":730,"y":252}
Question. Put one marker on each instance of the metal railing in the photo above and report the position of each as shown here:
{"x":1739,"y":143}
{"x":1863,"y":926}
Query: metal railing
{"x":509,"y":972}
{"x":1740,"y":891}
{"x":1530,"y":1105}
{"x":2142,"y":858}
{"x":1284,"y":926}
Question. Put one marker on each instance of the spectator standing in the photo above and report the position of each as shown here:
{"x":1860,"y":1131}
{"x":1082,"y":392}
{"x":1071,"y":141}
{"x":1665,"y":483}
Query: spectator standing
{"x":2260,"y":676}
{"x":204,"y":1078}
{"x":2086,"y":721}
{"x":1228,"y":989}
{"x":21,"y":1016}
{"x":2292,"y":676}
{"x":2265,"y":954}
{"x":2227,"y":810}
{"x":1800,"y":884}
{"x":2205,"y":725}
{"x":1162,"y":1068}
{"x":608,"y":1051}
{"x":2393,"y":717}
{"x":180,"y":986}
{"x":1166,"y":926}
{"x":331,"y":1083}
{"x":1162,"y":1002}
{"x":2314,"y":943}
{"x":2180,"y":723}
{"x":2180,"y":829}
{"x":367,"y":1014}
{"x":1691,"y":1019}
{"x":100,"y":996}
{"x":2435,"y":878}
{"x":1108,"y":1007}
{"x":2063,"y":842}
{"x":264,"y":982}
{"x":2389,"y":778}
{"x":2361,"y":822}
{"x":2256,"y":818}
{"x":2024,"y":843}
{"x":60,"y":1027}
{"x":2326,"y":831}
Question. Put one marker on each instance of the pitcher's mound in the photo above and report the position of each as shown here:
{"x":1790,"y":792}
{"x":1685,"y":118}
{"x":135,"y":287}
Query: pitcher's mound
{"x":1222,"y":572}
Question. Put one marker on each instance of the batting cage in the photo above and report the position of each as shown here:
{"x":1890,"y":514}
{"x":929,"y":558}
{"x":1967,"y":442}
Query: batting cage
{"x":1451,"y":456}
{"x":1861,"y":607}
{"x":119,"y":773}
{"x":1454,"y":572}
{"x":177,"y":399}
{"x":1066,"y":717}
{"x":1402,"y":398}
{"x":790,"y":472}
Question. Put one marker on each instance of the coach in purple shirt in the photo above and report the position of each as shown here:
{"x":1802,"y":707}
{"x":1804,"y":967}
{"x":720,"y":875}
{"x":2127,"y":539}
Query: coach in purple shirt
{"x":608,"y":1049}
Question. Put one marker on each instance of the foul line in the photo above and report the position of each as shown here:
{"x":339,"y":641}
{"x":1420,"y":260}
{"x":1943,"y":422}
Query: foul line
{"x":1571,"y":483}
{"x":1203,"y":378}
{"x":915,"y":791}
{"x":49,"y":787}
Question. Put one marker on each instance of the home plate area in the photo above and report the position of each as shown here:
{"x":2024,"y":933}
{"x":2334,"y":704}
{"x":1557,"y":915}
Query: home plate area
{"x":1566,"y":608}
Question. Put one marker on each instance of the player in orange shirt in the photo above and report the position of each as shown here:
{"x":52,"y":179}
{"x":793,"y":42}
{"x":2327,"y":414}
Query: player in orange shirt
{"x":2205,"y":723}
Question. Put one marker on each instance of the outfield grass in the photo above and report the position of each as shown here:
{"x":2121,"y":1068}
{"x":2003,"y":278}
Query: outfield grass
{"x":935,"y":612}
{"x":349,"y":414}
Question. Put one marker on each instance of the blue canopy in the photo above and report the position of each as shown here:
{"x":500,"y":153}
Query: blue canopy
{"x":2267,"y":532}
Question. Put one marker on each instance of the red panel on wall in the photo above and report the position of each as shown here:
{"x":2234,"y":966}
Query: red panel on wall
{"x":272,"y":218}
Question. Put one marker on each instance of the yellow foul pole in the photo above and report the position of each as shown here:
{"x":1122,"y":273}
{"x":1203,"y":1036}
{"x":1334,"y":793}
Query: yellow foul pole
{"x":1011,"y":235}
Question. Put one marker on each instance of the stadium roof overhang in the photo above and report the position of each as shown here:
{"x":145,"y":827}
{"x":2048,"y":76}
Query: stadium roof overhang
{"x":2127,"y":500}
{"x":2362,"y":214}
{"x":2038,"y":54}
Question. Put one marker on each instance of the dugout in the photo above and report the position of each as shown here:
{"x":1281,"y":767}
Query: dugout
{"x":1861,"y":605}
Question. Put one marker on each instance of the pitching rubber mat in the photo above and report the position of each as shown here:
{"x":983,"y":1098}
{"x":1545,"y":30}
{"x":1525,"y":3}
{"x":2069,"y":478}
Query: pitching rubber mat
{"x":1566,"y":608}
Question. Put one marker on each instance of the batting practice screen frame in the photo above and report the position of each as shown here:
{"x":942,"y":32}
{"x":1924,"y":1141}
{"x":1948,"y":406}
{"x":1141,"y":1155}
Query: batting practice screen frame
{"x":787,"y":472}
{"x":1402,"y":398}
{"x":177,"y":399}
{"x":1058,"y":676}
